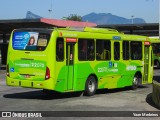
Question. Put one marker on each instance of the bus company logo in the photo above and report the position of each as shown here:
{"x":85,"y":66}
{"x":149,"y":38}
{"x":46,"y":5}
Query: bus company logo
{"x":21,"y":114}
{"x":6,"y":114}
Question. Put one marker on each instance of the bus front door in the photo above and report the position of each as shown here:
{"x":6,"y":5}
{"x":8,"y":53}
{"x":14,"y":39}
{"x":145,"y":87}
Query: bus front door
{"x":70,"y":65}
{"x":148,"y":65}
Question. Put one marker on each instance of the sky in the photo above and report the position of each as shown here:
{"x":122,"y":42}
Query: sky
{"x":17,"y":9}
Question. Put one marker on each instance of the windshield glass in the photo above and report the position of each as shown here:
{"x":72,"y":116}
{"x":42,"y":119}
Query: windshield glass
{"x":156,"y":48}
{"x":32,"y":41}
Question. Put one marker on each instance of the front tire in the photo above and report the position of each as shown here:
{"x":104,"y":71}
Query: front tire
{"x":91,"y":86}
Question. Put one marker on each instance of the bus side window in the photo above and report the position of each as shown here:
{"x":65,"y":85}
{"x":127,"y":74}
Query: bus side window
{"x":60,"y":49}
{"x":82,"y":46}
{"x":136,"y":50}
{"x":91,"y":50}
{"x":86,"y":50}
{"x":116,"y":51}
{"x":125,"y":50}
{"x":103,"y":49}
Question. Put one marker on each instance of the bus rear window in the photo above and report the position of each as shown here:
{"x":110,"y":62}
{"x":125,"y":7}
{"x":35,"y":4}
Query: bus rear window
{"x":30,"y":41}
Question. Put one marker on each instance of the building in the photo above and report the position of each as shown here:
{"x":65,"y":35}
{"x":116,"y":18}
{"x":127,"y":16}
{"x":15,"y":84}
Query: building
{"x":6,"y":27}
{"x":147,"y":29}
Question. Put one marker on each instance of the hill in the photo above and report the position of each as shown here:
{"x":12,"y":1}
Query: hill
{"x":30,"y":15}
{"x":99,"y":19}
{"x":108,"y":18}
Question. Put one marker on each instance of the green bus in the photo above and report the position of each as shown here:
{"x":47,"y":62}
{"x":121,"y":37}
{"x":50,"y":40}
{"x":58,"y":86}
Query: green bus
{"x":155,"y":42}
{"x":78,"y":59}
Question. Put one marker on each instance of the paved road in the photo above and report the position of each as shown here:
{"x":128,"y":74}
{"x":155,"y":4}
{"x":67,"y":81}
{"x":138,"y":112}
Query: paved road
{"x":26,"y":99}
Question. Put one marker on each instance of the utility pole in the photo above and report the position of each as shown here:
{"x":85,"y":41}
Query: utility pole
{"x":132,"y":17}
{"x":50,"y":13}
{"x":50,"y":10}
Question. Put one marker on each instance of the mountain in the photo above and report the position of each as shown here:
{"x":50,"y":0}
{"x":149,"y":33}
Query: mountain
{"x":99,"y":19}
{"x":108,"y":18}
{"x":30,"y":15}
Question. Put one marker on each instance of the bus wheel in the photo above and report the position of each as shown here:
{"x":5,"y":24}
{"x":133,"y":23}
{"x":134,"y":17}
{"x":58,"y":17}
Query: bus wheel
{"x":91,"y":86}
{"x":135,"y":82}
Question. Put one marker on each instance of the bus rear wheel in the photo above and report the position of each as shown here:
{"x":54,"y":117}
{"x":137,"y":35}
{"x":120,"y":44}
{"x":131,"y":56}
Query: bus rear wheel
{"x":91,"y":86}
{"x":135,"y":82}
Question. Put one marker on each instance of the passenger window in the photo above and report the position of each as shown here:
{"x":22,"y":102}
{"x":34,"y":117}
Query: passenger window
{"x":60,"y":49}
{"x":86,"y":50}
{"x":136,"y":50}
{"x":116,"y":51}
{"x":103,"y":49}
{"x":125,"y":50}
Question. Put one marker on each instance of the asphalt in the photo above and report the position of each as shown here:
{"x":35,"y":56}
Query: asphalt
{"x":116,"y":100}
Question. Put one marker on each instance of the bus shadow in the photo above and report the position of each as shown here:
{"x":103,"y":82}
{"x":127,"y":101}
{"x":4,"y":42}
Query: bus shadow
{"x":150,"y":101}
{"x":155,"y":68}
{"x":39,"y":94}
{"x":115,"y":90}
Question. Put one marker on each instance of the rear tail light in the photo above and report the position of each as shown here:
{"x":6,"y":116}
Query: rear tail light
{"x":7,"y":68}
{"x":47,"y":73}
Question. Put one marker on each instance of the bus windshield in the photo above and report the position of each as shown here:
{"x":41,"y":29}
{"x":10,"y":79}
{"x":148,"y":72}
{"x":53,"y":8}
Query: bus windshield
{"x":156,"y":48}
{"x":30,"y":41}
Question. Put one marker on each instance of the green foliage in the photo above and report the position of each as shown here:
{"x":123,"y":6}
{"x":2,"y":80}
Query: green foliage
{"x":73,"y":17}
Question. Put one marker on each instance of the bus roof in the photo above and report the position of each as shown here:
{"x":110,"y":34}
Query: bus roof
{"x":100,"y":31}
{"x":111,"y":33}
{"x":154,"y":39}
{"x":92,"y":30}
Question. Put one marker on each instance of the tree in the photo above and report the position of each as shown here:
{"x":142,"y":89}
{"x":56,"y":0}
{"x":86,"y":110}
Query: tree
{"x":73,"y":17}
